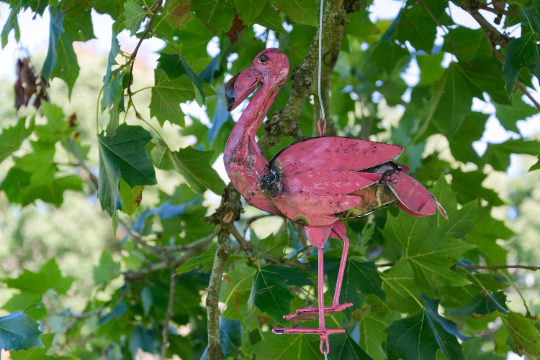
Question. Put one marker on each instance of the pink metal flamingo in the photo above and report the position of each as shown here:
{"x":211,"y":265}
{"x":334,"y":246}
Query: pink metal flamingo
{"x":316,"y":182}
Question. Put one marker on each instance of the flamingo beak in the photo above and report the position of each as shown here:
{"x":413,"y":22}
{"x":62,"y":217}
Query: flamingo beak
{"x":241,"y":86}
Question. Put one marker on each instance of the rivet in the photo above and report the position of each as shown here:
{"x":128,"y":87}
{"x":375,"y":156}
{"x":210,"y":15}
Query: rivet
{"x":316,"y":196}
{"x":327,"y":182}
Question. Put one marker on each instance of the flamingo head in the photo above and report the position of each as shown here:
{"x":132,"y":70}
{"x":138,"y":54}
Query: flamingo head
{"x":270,"y":66}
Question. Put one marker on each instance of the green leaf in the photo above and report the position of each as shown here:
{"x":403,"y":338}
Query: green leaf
{"x":430,"y":250}
{"x":235,"y":289}
{"x":12,"y":23}
{"x":485,"y":76}
{"x":231,"y":337}
{"x":51,"y":192}
{"x":78,"y":20}
{"x":18,"y":332}
{"x":287,"y":347}
{"x":430,"y":68}
{"x":193,"y":165}
{"x":483,"y":304}
{"x":343,"y":347}
{"x":123,"y":157}
{"x":177,"y":13}
{"x":55,"y":29}
{"x":462,"y":221}
{"x":144,"y":339}
{"x":48,"y":277}
{"x":12,"y":138}
{"x":358,"y":276}
{"x":421,"y":335}
{"x":107,"y":269}
{"x":468,"y":186}
{"x":472,"y":44}
{"x":249,"y":9}
{"x":386,"y":55}
{"x":167,"y":96}
{"x":302,"y":11}
{"x":56,"y":128}
{"x":112,"y":84}
{"x":359,"y":26}
{"x":175,"y":66}
{"x":270,"y":292}
{"x":134,"y":15}
{"x":524,"y":333}
{"x":400,"y":287}
{"x":455,"y":102}
{"x":270,"y":248}
{"x":519,"y":53}
{"x":509,"y":114}
{"x":131,"y":198}
{"x":66,"y":67}
{"x":147,"y":299}
{"x":372,"y":335}
{"x":269,"y":18}
{"x":216,"y":15}
{"x":38,"y":353}
{"x":417,"y":27}
{"x":498,"y":155}
{"x":472,"y":130}
{"x":194,"y":38}
{"x":206,"y":261}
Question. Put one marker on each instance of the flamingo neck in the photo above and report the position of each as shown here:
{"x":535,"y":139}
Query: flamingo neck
{"x":241,"y":147}
{"x":244,"y":162}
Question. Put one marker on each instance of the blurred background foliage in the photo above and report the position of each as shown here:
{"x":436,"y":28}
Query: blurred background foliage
{"x":96,"y":286}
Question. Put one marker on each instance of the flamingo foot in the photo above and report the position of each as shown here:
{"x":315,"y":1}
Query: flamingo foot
{"x":323,"y":332}
{"x":313,"y":313}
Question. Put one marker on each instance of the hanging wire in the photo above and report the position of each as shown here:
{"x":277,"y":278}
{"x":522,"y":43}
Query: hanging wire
{"x":323,"y":115}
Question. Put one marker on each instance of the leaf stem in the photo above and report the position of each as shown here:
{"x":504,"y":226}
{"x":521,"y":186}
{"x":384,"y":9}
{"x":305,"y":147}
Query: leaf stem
{"x":407,"y":290}
{"x":515,"y":287}
{"x":97,"y":109}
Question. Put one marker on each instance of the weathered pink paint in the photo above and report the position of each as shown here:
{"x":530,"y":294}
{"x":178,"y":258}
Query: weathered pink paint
{"x":316,"y":182}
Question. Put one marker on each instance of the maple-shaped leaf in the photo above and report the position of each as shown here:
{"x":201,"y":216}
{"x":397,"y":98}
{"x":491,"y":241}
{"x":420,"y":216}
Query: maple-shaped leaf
{"x":287,"y":347}
{"x":302,"y":11}
{"x":134,"y":15}
{"x":176,"y":13}
{"x":55,"y":30}
{"x":216,"y":15}
{"x":498,"y":155}
{"x":343,"y":347}
{"x":400,"y":287}
{"x":430,"y":250}
{"x":360,"y":279}
{"x":48,"y":277}
{"x":11,"y":138}
{"x":66,"y":67}
{"x":421,"y":335}
{"x":235,"y":289}
{"x":18,"y":332}
{"x":131,"y":198}
{"x":123,"y":157}
{"x":269,"y":18}
{"x":107,"y":269}
{"x":524,"y":333}
{"x":249,"y":9}
{"x":372,"y":335}
{"x":175,"y":66}
{"x":112,"y":84}
{"x":193,"y":165}
{"x":167,"y":96}
{"x":270,"y":290}
{"x":461,"y":221}
{"x":271,"y":248}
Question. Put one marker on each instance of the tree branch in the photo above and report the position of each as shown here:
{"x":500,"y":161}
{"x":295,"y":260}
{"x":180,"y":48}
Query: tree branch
{"x":497,"y":11}
{"x":212,"y":299}
{"x":243,"y":242}
{"x":494,"y":38}
{"x":480,"y":267}
{"x":170,"y":313}
{"x":285,"y":123}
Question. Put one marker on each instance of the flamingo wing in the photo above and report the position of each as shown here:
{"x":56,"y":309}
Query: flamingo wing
{"x":312,"y":180}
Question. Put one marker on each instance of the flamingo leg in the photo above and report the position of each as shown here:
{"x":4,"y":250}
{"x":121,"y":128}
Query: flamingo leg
{"x":317,"y":236}
{"x":340,"y":230}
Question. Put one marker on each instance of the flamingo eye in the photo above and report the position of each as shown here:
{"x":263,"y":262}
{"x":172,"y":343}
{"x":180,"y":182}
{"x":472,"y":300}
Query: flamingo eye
{"x":263,"y":59}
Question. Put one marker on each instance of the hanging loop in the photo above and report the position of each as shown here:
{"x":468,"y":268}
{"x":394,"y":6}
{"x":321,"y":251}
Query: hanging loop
{"x":323,"y":132}
{"x":324,"y":339}
{"x":323,"y":115}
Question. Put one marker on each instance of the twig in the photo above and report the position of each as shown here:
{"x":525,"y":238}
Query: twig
{"x":194,"y":244}
{"x":212,"y":299}
{"x":95,"y":181}
{"x":445,"y":30}
{"x":170,"y":312}
{"x":519,"y":292}
{"x":498,"y":267}
{"x":494,"y":38}
{"x":243,"y":242}
{"x":154,"y":9}
{"x":168,"y":264}
{"x":385,"y":265}
{"x":496,"y":11}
